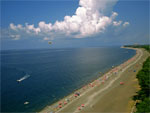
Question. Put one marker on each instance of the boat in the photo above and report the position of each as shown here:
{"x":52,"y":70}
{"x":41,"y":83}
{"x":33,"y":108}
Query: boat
{"x":26,"y":103}
{"x":23,"y":78}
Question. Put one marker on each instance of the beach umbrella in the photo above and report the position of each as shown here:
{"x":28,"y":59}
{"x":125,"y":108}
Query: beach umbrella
{"x":103,"y":82}
{"x":60,"y":106}
{"x":75,"y":95}
{"x":121,"y":83}
{"x":60,"y":103}
{"x":79,"y":108}
{"x":67,"y":99}
{"x":65,"y":102}
{"x":82,"y":105}
{"x":134,"y":70}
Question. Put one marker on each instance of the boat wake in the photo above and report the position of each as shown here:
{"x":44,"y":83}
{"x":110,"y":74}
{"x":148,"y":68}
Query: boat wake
{"x":23,"y":78}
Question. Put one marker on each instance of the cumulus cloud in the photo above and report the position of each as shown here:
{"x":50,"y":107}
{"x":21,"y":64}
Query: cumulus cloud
{"x":15,"y":37}
{"x":89,"y":19}
{"x":115,"y":23}
{"x":126,"y":24}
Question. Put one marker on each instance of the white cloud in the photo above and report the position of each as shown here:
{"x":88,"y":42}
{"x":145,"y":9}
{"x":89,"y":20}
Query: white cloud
{"x":115,"y":23}
{"x":126,"y":24}
{"x":15,"y":37}
{"x":13,"y":27}
{"x":88,"y":20}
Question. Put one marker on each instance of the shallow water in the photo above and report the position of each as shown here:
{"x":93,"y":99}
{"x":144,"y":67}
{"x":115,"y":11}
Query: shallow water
{"x":54,"y":73}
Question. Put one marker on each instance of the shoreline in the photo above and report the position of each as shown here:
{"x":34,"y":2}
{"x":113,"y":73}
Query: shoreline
{"x":88,"y":87}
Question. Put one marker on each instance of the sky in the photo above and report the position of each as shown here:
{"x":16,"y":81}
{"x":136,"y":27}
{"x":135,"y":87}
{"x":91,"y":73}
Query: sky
{"x":73,"y":23}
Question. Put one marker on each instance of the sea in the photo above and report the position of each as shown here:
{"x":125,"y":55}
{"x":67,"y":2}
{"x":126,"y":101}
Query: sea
{"x":33,"y":79}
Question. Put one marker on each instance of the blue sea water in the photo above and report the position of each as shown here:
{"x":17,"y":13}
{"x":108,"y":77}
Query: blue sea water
{"x":54,"y":73}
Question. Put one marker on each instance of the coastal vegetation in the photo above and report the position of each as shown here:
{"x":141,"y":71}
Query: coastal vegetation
{"x":146,"y":47}
{"x":143,"y":98}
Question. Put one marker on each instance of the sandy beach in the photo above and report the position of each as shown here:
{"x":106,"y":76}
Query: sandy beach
{"x":111,"y":92}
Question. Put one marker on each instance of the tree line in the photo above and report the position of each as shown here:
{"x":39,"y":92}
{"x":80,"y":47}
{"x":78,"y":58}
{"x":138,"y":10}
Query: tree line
{"x":146,"y":47}
{"x":143,"y":97}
